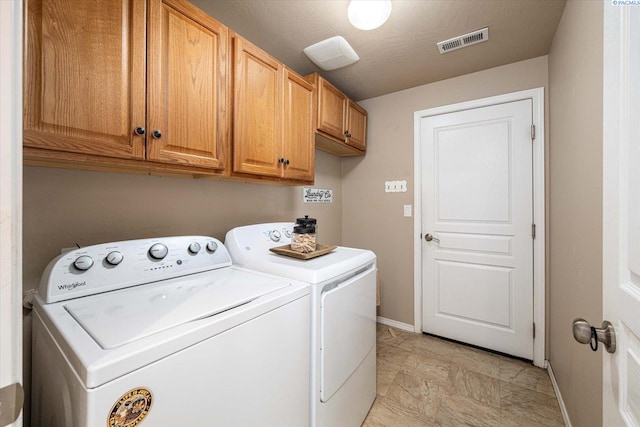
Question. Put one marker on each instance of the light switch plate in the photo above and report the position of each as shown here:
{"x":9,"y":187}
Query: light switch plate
{"x":407,"y":210}
{"x":395,"y":186}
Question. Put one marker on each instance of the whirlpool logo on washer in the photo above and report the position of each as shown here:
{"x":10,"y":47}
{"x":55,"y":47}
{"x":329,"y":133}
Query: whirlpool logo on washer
{"x":131,"y":409}
{"x":71,"y":286}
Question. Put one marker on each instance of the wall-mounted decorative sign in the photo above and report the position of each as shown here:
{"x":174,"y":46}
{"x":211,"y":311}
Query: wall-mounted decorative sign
{"x":317,"y":195}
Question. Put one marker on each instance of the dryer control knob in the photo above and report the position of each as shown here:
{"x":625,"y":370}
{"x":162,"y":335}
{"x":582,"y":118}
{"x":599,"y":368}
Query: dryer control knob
{"x":194,"y":248}
{"x":274,"y":235}
{"x":158,"y":251}
{"x":83,"y":262}
{"x":212,"y":246}
{"x":114,"y":258}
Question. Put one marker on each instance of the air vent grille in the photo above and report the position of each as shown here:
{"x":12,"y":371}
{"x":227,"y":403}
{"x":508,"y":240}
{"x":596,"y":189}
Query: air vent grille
{"x":464,"y":40}
{"x":452,"y":45}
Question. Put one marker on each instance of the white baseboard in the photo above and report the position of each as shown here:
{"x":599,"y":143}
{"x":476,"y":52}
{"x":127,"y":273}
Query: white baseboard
{"x":563,"y":408}
{"x":395,"y":324}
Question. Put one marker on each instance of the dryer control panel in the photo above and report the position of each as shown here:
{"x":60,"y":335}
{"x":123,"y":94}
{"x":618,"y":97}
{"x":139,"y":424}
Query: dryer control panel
{"x":247,"y":240}
{"x":110,"y":266}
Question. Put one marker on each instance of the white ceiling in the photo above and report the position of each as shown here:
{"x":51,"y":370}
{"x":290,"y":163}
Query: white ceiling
{"x":403,"y":52}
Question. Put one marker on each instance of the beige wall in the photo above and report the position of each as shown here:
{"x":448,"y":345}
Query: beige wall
{"x":374,"y":219}
{"x":575,"y":270}
{"x":65,"y":207}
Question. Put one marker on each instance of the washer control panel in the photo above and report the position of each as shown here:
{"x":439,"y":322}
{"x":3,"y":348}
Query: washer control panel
{"x":110,"y":266}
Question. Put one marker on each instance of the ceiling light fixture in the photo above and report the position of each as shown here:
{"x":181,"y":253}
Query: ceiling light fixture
{"x":368,"y":14}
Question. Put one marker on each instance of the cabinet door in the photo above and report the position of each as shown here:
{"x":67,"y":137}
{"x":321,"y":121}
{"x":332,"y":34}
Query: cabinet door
{"x":357,"y":126}
{"x":84,"y":76}
{"x":332,"y":107}
{"x":258,"y":121}
{"x":187,"y":92}
{"x":298,"y":140}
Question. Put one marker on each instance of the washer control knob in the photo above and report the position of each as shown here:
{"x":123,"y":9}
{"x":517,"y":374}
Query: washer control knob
{"x":212,"y":246}
{"x":287,"y":233}
{"x":274,"y":235}
{"x":114,"y":258}
{"x":194,"y":248}
{"x":158,"y":251}
{"x":83,"y":262}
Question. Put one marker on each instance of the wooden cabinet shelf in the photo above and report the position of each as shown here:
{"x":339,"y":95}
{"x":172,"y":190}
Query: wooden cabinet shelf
{"x":341,"y":124}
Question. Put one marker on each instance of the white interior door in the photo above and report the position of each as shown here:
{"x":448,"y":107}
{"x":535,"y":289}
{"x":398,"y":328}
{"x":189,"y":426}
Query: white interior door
{"x":10,"y":212}
{"x":621,"y":213}
{"x":477,"y":203}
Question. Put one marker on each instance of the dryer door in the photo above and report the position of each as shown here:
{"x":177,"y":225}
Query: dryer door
{"x":348,"y":330}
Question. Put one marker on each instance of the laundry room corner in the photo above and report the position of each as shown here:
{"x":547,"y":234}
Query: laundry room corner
{"x":390,"y":157}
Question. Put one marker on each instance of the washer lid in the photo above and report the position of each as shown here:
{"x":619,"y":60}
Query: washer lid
{"x":120,"y":317}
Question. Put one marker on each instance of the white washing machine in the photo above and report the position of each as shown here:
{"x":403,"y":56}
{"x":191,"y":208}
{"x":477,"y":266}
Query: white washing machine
{"x":166,"y":332}
{"x":343,"y":318}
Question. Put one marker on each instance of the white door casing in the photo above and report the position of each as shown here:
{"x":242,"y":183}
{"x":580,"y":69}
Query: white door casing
{"x":479,"y":188}
{"x":621,"y":213}
{"x":10,"y":205}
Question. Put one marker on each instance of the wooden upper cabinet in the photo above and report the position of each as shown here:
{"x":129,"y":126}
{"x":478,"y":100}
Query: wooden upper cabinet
{"x":187,"y":86}
{"x":332,"y":110}
{"x":84,"y":76}
{"x":273,"y":117}
{"x":258,"y":110}
{"x":356,"y":126}
{"x":298,"y":144}
{"x":156,"y":84}
{"x":341,"y":124}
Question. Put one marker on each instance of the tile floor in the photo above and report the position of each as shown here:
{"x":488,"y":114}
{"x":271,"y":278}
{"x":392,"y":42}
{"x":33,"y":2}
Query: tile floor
{"x":425,"y":381}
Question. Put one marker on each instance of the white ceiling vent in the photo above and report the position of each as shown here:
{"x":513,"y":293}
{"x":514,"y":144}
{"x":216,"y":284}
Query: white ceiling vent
{"x":332,"y":53}
{"x":464,"y":41}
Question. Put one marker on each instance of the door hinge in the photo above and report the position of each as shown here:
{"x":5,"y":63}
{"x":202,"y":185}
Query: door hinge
{"x":534,"y":330}
{"x":533,"y":231}
{"x":533,"y":132}
{"x":11,"y":400}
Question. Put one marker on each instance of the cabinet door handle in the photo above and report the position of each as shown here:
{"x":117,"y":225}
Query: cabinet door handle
{"x":157,"y":134}
{"x":347,"y":134}
{"x":286,"y":161}
{"x":281,"y":160}
{"x":140,"y":130}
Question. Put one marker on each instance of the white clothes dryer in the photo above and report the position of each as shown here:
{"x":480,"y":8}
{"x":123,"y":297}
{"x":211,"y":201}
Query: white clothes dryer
{"x":166,"y":332}
{"x":343,"y":318}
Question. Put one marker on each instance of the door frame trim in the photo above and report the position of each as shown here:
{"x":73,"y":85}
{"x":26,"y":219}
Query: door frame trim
{"x":11,"y":346}
{"x":539,"y":253}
